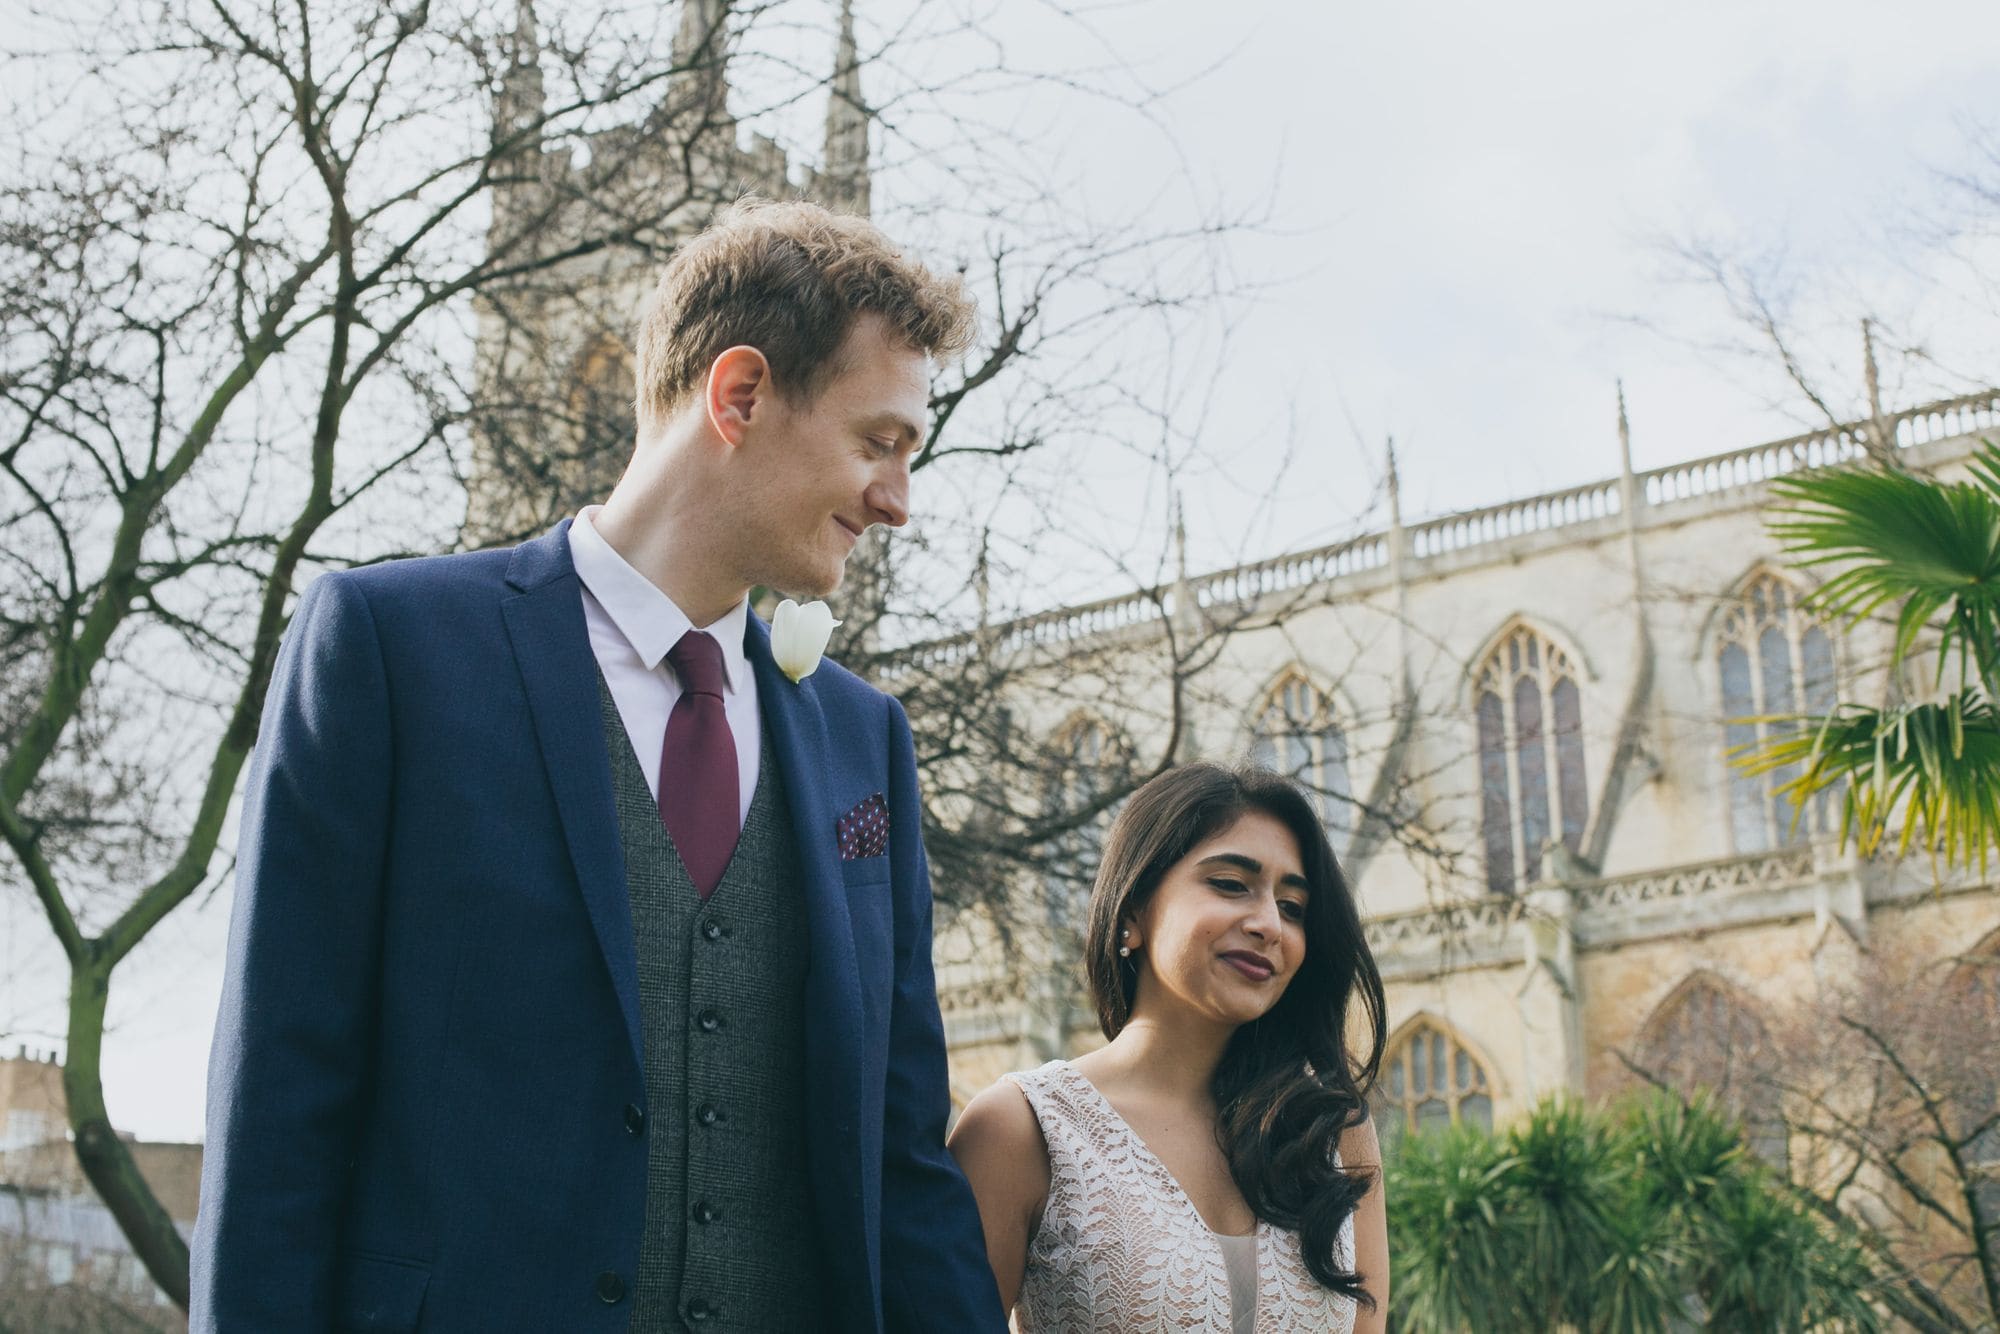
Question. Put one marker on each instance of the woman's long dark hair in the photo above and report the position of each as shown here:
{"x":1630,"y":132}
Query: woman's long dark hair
{"x":1288,"y":1086}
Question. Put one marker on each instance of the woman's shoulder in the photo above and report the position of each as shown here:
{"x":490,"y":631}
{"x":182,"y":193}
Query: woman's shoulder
{"x":1359,"y":1146}
{"x":1000,"y":1120}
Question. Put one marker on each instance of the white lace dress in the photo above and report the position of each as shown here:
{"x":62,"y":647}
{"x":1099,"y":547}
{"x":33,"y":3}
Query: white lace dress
{"x":1122,"y":1249}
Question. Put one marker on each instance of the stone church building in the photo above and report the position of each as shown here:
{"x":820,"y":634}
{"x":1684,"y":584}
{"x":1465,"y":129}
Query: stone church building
{"x":1517,"y":718}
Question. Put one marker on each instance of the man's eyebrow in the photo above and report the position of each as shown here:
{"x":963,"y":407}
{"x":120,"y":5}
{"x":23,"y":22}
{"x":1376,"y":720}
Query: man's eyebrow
{"x":1254,"y":867}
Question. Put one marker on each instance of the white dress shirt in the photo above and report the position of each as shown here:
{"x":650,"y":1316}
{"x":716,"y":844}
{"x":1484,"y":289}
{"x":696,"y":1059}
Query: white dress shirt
{"x":632,"y":625}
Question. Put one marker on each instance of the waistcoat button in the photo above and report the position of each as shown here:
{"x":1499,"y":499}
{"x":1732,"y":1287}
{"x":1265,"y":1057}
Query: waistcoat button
{"x":610,"y":1288}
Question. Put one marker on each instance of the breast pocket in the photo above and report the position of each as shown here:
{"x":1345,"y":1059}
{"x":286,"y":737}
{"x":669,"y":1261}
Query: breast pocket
{"x":860,"y":872}
{"x":379,"y":1294}
{"x":866,"y":882}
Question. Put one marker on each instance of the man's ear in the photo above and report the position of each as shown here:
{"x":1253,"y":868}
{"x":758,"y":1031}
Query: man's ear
{"x":739,"y":384}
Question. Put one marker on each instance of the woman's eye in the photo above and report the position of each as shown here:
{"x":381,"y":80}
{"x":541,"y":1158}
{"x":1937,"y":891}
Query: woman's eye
{"x":1293,"y":909}
{"x":1228,"y":886}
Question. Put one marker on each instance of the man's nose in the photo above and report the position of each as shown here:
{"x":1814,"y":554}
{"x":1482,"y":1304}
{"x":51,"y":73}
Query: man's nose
{"x":888,"y":496}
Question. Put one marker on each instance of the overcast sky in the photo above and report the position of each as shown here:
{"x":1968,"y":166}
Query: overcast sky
{"x":1473,"y":213}
{"x":1468,"y":207}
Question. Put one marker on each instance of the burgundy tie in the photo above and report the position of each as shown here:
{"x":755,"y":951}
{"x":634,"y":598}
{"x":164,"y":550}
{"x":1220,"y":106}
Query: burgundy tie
{"x":698,"y":790}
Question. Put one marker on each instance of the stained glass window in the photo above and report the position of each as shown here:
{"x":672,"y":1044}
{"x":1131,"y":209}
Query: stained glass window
{"x":1704,"y":1037}
{"x":1082,"y":770}
{"x":1298,"y":736}
{"x":602,"y":394}
{"x":1775,"y":664}
{"x":1975,"y":1005}
{"x":1532,"y":785}
{"x":1429,"y":1080}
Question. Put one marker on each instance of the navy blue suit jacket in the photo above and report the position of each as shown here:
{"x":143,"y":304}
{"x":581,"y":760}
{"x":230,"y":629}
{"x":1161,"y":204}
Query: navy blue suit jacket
{"x":429,"y":1034}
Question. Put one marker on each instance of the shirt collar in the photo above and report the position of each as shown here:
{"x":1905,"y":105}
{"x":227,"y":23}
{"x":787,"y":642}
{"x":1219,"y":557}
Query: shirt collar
{"x":647,"y":617}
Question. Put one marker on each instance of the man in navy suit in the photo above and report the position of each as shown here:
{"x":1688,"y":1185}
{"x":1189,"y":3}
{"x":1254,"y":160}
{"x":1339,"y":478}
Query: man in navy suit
{"x":579,"y":976}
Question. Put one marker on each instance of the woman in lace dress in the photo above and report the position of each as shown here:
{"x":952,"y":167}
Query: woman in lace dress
{"x":1212,"y":1167}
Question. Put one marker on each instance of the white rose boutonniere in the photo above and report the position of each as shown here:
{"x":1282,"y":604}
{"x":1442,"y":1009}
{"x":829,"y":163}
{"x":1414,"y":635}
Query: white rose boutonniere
{"x":798,"y":637}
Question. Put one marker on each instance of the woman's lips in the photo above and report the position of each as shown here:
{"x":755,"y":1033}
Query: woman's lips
{"x":1250,"y":965}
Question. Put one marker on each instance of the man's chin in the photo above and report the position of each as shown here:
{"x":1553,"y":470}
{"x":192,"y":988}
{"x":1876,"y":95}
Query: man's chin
{"x":806,"y":585}
{"x":830,"y":580}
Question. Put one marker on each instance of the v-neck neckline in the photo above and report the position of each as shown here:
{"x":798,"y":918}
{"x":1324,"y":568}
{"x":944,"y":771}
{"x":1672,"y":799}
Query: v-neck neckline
{"x":1151,"y":1159}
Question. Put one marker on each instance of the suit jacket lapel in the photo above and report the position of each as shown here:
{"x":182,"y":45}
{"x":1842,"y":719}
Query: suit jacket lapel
{"x":552,"y":650}
{"x":833,"y":981}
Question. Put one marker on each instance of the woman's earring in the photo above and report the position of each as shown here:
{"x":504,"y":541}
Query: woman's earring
{"x":1124,"y":951}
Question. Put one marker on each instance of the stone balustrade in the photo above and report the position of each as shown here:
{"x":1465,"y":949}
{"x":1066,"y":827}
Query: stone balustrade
{"x":1246,"y":586}
{"x":1514,"y":518}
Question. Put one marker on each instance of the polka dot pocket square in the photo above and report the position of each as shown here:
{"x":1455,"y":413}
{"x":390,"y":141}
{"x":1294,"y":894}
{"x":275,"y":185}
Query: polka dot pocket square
{"x":864,"y":831}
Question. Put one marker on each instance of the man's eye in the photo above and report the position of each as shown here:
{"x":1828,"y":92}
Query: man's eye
{"x":880,"y":446}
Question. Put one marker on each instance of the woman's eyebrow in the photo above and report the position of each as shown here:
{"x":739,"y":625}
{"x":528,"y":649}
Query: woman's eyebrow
{"x":1251,"y":865}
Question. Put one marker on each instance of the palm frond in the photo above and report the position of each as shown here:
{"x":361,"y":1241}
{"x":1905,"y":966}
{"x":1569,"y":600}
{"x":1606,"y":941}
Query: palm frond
{"x":1934,"y":768}
{"x":1932,"y":547}
{"x":1635,"y":1219}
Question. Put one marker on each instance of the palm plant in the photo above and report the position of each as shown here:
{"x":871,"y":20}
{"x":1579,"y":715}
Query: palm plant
{"x":1930,"y":552}
{"x":1642,"y":1219}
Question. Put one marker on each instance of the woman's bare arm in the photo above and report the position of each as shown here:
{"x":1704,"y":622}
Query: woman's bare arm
{"x":1358,"y":1148}
{"x":998,"y":1145}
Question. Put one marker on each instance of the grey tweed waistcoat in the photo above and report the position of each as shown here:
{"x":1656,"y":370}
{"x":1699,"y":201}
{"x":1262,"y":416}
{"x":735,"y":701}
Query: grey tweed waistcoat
{"x":729,"y":1240}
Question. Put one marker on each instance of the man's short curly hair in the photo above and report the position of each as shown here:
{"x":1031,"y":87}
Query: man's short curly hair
{"x":789,"y":279}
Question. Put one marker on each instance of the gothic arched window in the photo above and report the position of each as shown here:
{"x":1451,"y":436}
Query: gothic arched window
{"x":1298,"y":736}
{"x":1703,"y":1037}
{"x":1531,"y":779}
{"x":1775,"y":662}
{"x":602,"y":395}
{"x":1429,"y":1080}
{"x":1083,"y":767}
{"x":1973,"y":1007}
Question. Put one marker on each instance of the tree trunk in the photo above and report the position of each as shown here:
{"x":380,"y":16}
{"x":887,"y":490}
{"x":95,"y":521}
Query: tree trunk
{"x":106,"y":1161}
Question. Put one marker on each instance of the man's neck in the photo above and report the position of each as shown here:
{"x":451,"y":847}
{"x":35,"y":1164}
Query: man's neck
{"x":666,"y":545}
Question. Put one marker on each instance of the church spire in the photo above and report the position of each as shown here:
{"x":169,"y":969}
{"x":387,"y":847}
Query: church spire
{"x":518,"y":112}
{"x":843,"y":182}
{"x":1631,"y":496}
{"x":1624,"y":434}
{"x":1399,"y":554}
{"x":700,"y":82}
{"x":520,"y":109}
{"x":1186,"y":609}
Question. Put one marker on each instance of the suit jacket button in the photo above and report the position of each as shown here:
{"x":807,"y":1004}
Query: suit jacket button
{"x":700,"y":1309}
{"x":635,"y":1120}
{"x":711,"y":930}
{"x":704,"y":1212}
{"x":610,"y":1288}
{"x":709,"y":1021}
{"x":707,"y":1114}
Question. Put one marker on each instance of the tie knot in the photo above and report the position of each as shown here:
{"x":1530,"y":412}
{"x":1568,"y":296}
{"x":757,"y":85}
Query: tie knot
{"x":697,"y":663}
